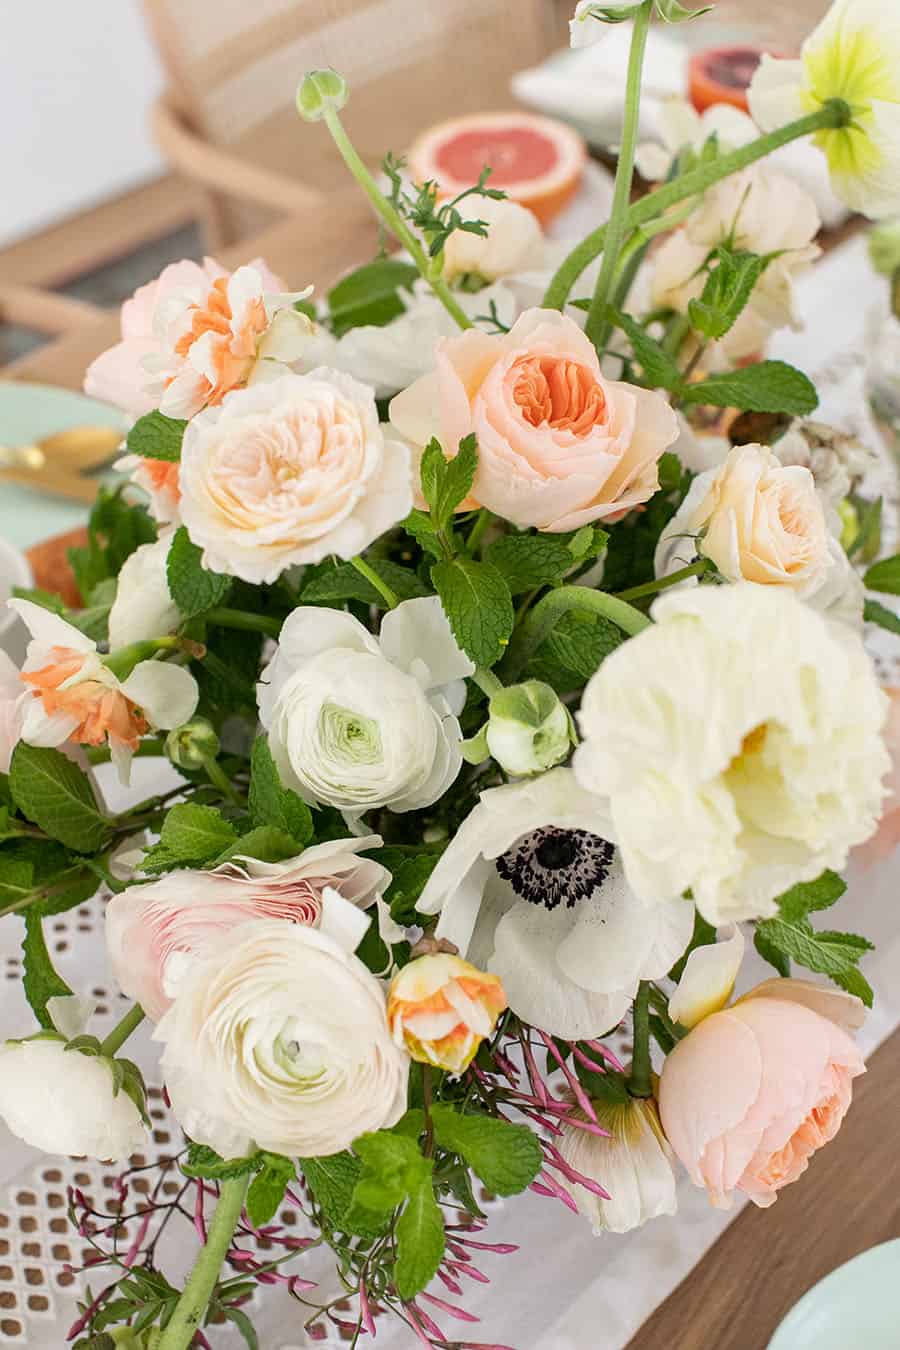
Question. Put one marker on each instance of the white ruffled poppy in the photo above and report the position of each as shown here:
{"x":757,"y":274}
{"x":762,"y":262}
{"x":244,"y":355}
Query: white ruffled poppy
{"x":75,"y":697}
{"x":143,"y":607}
{"x":854,"y":55}
{"x":359,"y":722}
{"x":531,"y":889}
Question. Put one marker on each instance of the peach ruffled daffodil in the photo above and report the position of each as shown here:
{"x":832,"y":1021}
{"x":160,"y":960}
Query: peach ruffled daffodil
{"x":440,"y":1008}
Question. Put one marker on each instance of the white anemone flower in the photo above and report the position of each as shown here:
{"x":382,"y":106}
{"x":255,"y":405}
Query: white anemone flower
{"x":531,"y":889}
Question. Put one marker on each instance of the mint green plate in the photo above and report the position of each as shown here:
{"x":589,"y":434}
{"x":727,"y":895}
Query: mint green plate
{"x":28,"y":412}
{"x":857,"y":1305}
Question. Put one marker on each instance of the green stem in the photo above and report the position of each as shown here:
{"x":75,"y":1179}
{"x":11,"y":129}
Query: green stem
{"x":487,"y":681}
{"x":835,"y":113}
{"x":122,"y":1030}
{"x":194,"y":1300}
{"x":219,"y":779}
{"x":123,"y":661}
{"x":239,"y":618}
{"x":639,"y":1084}
{"x":616,"y":225}
{"x":151,"y":747}
{"x":372,"y":577}
{"x":392,"y":218}
{"x":663,"y":583}
{"x":550,"y":609}
{"x":476,"y":534}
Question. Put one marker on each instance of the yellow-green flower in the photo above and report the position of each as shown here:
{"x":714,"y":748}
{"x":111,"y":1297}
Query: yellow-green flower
{"x":854,"y":55}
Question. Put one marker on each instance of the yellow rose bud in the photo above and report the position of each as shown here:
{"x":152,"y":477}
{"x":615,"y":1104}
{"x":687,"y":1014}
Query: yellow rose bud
{"x":441,"y":1008}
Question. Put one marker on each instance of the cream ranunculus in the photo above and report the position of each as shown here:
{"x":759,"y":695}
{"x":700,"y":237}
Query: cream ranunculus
{"x":62,"y":1101}
{"x":290,"y":471}
{"x":761,"y":211}
{"x":635,"y":1165}
{"x":514,"y":241}
{"x":359,"y":722}
{"x":531,"y":889}
{"x":737,"y":745}
{"x":155,"y":931}
{"x":279,"y":1038}
{"x":854,"y":55}
{"x":143,"y":607}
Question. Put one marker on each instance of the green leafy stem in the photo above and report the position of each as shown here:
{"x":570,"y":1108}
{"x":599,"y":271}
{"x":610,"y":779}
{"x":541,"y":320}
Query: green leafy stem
{"x":548,"y":611}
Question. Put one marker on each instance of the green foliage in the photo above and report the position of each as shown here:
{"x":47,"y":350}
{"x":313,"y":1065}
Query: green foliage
{"x":791,"y":936}
{"x":203,"y":1161}
{"x":506,"y":1157}
{"x":447,"y":482}
{"x":40,"y":980}
{"x":191,"y":835}
{"x":410,"y":869}
{"x":770,"y":386}
{"x":155,"y":436}
{"x":704,"y":935}
{"x":420,"y":1241}
{"x":372,"y":295}
{"x":394,"y":1171}
{"x":268,"y":1187}
{"x":193,"y":588}
{"x":478,"y":604}
{"x":873,"y":612}
{"x":332,"y":1180}
{"x":115,"y":530}
{"x":866,"y":543}
{"x":527,"y":561}
{"x":267,"y":843}
{"x":435,"y":222}
{"x":53,"y":792}
{"x":728,"y":287}
{"x":884,"y":576}
{"x":271,"y":804}
{"x":334,"y":582}
{"x":660,"y":369}
{"x":576,"y":648}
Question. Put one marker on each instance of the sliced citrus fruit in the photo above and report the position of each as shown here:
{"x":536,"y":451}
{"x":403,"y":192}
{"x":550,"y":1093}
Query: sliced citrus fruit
{"x":722,"y":75}
{"x":535,"y":160}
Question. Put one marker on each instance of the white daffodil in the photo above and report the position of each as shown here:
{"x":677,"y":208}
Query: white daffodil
{"x":76,"y":697}
{"x":143,"y":607}
{"x":359,"y":722}
{"x":737,"y":744}
{"x":854,"y":55}
{"x":635,"y":1164}
{"x":531,"y":889}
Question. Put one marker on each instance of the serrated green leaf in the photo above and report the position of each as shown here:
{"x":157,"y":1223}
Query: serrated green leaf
{"x":769,"y":386}
{"x":155,"y":436}
{"x":728,"y":287}
{"x":370,"y":295}
{"x":827,"y":953}
{"x":267,"y":843}
{"x":873,"y":612}
{"x":203,"y":1161}
{"x":52,"y":792}
{"x":194,"y":589}
{"x":268,"y":1187}
{"x":410,"y":869}
{"x":420,"y":1241}
{"x":273,"y":805}
{"x":884,"y":576}
{"x":530,"y":560}
{"x":420,"y":525}
{"x":191,"y":835}
{"x":447,"y":482}
{"x":332,"y":1180}
{"x":478,"y":605}
{"x":16,"y":880}
{"x":769,"y":952}
{"x":506,"y":1157}
{"x":40,"y":979}
{"x":659,"y":368}
{"x":341,"y":581}
{"x":807,"y":896}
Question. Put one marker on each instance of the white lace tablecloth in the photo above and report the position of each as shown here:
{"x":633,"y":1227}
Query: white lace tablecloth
{"x":564,"y":1289}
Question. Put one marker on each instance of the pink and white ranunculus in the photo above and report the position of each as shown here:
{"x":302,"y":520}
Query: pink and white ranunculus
{"x":193,"y":334}
{"x":559,"y":445}
{"x":754,"y":1091}
{"x":154,"y":932}
{"x":289,"y":472}
{"x":279,"y":1038}
{"x":72,"y":696}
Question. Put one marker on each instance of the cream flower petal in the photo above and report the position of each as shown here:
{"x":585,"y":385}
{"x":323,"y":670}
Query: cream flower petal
{"x":48,"y":629}
{"x":415,"y":412}
{"x":167,"y":694}
{"x":419,"y":631}
{"x":708,"y":979}
{"x":775,"y":93}
{"x":845,"y":1010}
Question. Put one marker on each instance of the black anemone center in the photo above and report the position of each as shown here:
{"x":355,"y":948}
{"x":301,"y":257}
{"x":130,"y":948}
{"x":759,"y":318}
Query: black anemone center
{"x":553,"y":866}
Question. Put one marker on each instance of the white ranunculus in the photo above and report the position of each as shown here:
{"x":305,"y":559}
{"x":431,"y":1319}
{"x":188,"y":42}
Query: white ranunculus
{"x":635,"y":1164}
{"x":737,"y":745}
{"x":290,"y":471}
{"x":279,"y":1038}
{"x":514,"y":241}
{"x":143,"y":607}
{"x":359,"y":722}
{"x":62,"y":1101}
{"x":531,"y":889}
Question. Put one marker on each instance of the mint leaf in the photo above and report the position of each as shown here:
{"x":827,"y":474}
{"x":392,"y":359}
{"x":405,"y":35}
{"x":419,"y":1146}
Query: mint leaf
{"x":332,"y":1180}
{"x":658,"y":366}
{"x":530,"y":560}
{"x":770,"y":386}
{"x":52,"y":792}
{"x":833,"y":954}
{"x":410,"y":869}
{"x":580,"y":643}
{"x":507,"y":1158}
{"x":268,"y":1187}
{"x":807,"y":896}
{"x":193,"y":588}
{"x":478,"y":604}
{"x":447,"y":482}
{"x":341,"y":581}
{"x":239,"y":1319}
{"x":420,"y":1240}
{"x":267,"y":843}
{"x":728,"y":288}
{"x":115,"y":529}
{"x":40,"y":979}
{"x":274,"y":805}
{"x":884,"y":576}
{"x":420,"y":525}
{"x":769,"y":952}
{"x":873,"y":612}
{"x":370,"y":295}
{"x":191,"y":835}
{"x":155,"y":436}
{"x":203,"y":1161}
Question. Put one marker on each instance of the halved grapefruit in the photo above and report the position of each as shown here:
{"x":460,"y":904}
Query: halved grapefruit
{"x":535,"y":160}
{"x":722,"y":75}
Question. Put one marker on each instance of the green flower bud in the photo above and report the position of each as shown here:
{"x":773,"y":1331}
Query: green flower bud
{"x":192,"y":744}
{"x":320,"y":90}
{"x":849,"y":522}
{"x":529,"y":728}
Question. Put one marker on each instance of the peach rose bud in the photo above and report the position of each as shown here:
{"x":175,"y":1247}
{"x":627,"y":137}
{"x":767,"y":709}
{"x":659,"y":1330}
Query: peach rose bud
{"x":441,"y":1008}
{"x":749,"y":1096}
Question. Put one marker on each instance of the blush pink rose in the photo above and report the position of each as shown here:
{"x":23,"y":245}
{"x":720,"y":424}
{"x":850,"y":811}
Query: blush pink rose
{"x":559,"y":445}
{"x":753,"y":1091}
{"x":154,"y":932}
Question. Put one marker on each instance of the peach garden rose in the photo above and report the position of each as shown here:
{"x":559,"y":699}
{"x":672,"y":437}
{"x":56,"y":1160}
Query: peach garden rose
{"x":559,"y":445}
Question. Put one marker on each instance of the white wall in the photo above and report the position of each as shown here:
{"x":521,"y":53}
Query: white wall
{"x":77,"y":78}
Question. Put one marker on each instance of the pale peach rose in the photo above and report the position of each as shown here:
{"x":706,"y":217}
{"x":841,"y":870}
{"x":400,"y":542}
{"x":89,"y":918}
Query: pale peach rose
{"x":161,"y":480}
{"x":753,"y":1091}
{"x":559,"y":445}
{"x":289,"y":471}
{"x":441,"y":1008}
{"x":887,"y":836}
{"x":155,"y":931}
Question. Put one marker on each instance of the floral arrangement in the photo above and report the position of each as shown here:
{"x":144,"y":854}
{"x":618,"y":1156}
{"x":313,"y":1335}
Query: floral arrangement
{"x":503,"y":617}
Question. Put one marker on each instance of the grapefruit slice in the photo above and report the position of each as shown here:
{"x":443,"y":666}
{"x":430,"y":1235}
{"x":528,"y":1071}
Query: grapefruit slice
{"x":722,"y":75}
{"x":535,"y":160}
